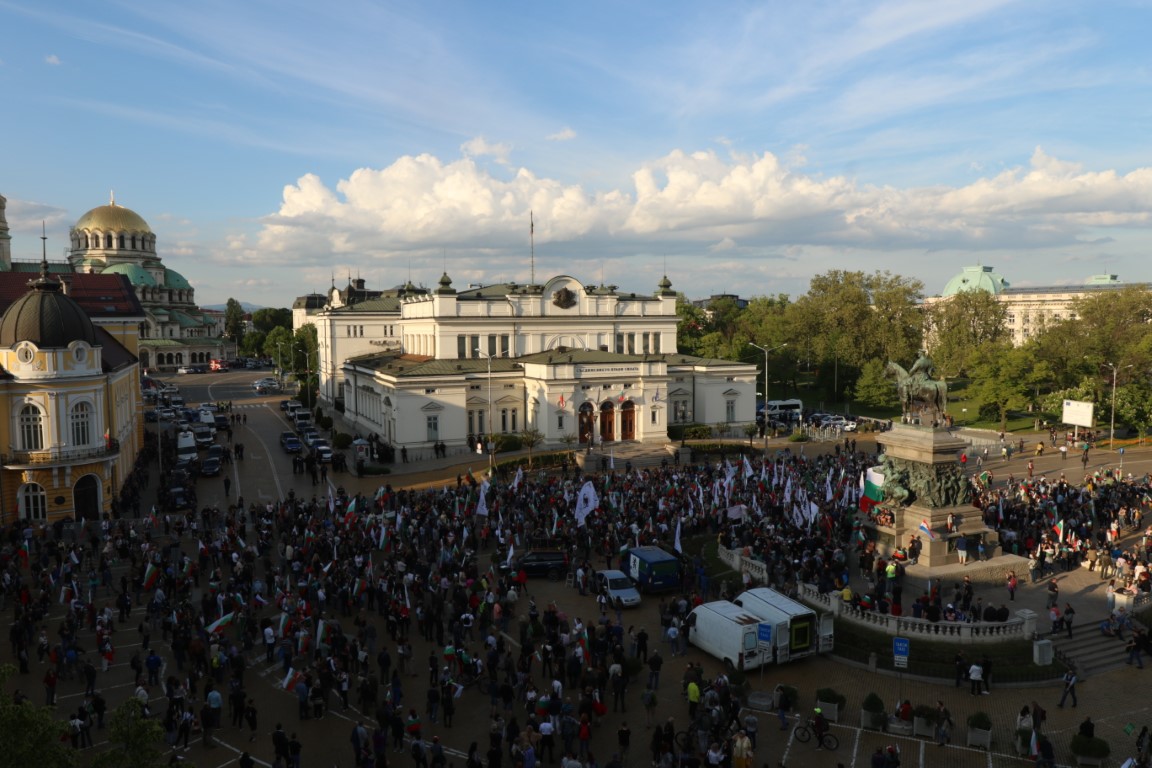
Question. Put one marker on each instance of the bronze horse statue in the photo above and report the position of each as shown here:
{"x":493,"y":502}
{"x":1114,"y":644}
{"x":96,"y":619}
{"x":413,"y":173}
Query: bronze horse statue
{"x":921,"y":396}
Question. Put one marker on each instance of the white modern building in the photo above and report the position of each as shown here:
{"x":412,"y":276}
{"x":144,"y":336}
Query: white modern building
{"x":573,"y":361}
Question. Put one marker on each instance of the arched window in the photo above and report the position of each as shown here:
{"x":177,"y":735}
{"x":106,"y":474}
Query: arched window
{"x":120,"y":241}
{"x":31,"y":428}
{"x":81,"y":419}
{"x":133,"y":242}
{"x":33,"y":502}
{"x":107,"y":241}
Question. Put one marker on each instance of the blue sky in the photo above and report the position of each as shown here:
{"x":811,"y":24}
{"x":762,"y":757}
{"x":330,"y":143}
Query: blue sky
{"x":744,"y":147}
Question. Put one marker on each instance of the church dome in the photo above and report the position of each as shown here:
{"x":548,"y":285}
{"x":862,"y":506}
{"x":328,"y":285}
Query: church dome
{"x":136,"y":274}
{"x":977,"y":278}
{"x":173,"y":279}
{"x":46,"y":317}
{"x":113,"y":218}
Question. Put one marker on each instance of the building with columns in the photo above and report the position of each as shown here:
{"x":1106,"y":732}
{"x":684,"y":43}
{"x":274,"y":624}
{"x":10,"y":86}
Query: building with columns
{"x":575,"y":362}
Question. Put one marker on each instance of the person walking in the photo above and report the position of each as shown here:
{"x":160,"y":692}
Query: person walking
{"x":1012,"y":583}
{"x":976,"y":678}
{"x":1070,"y":681}
{"x":943,"y":724}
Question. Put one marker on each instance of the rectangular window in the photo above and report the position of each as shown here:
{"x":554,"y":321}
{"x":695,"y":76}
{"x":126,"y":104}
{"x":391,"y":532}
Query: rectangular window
{"x":560,"y":422}
{"x":492,"y":344}
{"x":730,"y":410}
{"x":461,"y":347}
{"x":481,"y":419}
{"x":647,"y":340}
{"x":431,"y":391}
{"x":680,"y":411}
{"x":433,"y":428}
{"x":503,"y":419}
{"x":656,"y":343}
{"x":631,"y":343}
{"x":655,"y":416}
{"x":515,"y":421}
{"x":361,"y":333}
{"x":348,"y":330}
{"x":619,"y":343}
{"x":505,"y":345}
{"x":471,"y":422}
{"x":475,"y":345}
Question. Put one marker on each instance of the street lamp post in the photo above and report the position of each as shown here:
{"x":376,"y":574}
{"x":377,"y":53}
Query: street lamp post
{"x":1112,"y":427}
{"x":491,"y":442}
{"x":766,"y":351}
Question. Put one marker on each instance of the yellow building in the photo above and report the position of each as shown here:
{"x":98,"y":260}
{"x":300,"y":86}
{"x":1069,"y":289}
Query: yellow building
{"x":69,"y":392}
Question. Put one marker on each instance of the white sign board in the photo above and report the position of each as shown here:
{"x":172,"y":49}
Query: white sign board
{"x":1078,"y":413}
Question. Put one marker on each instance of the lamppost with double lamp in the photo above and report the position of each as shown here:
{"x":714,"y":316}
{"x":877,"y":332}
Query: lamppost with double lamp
{"x":1112,"y":428}
{"x":766,"y":351}
{"x":491,"y":443}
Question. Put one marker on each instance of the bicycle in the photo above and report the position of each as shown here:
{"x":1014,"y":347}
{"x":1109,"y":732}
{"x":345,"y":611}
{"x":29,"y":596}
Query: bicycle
{"x":804,"y":731}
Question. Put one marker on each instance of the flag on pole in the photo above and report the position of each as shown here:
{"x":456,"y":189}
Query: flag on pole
{"x":283,"y":625}
{"x":518,"y":479}
{"x":220,"y":623}
{"x":871,"y":489}
{"x":511,"y":549}
{"x":677,"y":543}
{"x":561,"y":402}
{"x":151,"y":573}
{"x":291,"y":679}
{"x":927,"y":529}
{"x":482,"y":502}
{"x":24,"y":553}
{"x":1059,"y":531}
{"x":585,"y":503}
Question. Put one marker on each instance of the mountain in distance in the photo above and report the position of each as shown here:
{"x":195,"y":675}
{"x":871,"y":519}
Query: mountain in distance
{"x":244,"y":305}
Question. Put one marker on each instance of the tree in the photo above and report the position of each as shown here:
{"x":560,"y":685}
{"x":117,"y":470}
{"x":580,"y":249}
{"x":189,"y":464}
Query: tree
{"x":278,"y":347}
{"x":959,"y":325}
{"x":305,"y":362}
{"x":530,"y":438}
{"x":1005,"y":378}
{"x":266,"y":319}
{"x":234,"y":321}
{"x":874,"y":389}
{"x":29,"y":733}
{"x":692,"y":325}
{"x":253,"y":344}
{"x":1134,"y":406}
{"x":135,"y":740}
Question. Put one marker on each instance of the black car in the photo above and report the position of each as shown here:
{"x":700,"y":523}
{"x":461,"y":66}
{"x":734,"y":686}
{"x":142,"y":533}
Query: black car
{"x":210,"y":467}
{"x":552,"y":563}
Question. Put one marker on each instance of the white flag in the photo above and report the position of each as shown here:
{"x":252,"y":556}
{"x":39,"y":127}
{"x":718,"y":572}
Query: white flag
{"x":482,"y":504}
{"x":516,"y":480}
{"x":511,"y":549}
{"x":585,"y":503}
{"x":677,"y":544}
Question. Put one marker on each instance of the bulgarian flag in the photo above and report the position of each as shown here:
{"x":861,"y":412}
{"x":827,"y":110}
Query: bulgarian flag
{"x":291,"y":679}
{"x":220,"y":623}
{"x":151,"y":573}
{"x":361,"y":587}
{"x":582,"y":641}
{"x":871,"y":494}
{"x":321,"y":631}
{"x":1058,"y":529}
{"x":382,"y":539}
{"x":283,"y":625}
{"x":24,"y":553}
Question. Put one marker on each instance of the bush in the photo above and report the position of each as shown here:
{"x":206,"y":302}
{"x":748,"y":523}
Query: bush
{"x":925,"y":713}
{"x":507,"y":443}
{"x":797,"y":437}
{"x":698,"y":432}
{"x":1089,"y":746}
{"x":832,"y":696}
{"x":374,"y":469}
{"x":980,"y":720}
{"x":325,"y":422}
{"x":342,"y":441}
{"x":872,"y":703}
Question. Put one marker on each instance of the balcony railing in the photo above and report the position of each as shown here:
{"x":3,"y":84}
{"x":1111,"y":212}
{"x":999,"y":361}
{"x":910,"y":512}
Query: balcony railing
{"x":62,"y":455}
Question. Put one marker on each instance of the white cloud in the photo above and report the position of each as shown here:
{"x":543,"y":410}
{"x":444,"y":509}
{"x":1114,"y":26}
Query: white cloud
{"x":481,"y":147}
{"x":739,"y":204}
{"x":52,"y":59}
{"x":566,"y":134}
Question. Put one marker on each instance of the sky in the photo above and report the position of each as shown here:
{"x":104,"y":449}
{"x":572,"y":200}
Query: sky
{"x":739,"y":147}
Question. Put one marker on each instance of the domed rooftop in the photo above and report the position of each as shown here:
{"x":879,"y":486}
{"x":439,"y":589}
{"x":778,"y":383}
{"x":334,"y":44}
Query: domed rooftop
{"x":113,"y":218}
{"x":173,"y":279}
{"x":977,"y":278}
{"x":137,"y":275}
{"x":45,"y":317}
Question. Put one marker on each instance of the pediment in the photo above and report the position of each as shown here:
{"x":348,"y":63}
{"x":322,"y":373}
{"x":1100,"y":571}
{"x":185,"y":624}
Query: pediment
{"x":432,"y":407}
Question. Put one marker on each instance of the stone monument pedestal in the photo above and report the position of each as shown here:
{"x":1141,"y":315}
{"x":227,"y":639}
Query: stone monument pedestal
{"x":929,"y":459}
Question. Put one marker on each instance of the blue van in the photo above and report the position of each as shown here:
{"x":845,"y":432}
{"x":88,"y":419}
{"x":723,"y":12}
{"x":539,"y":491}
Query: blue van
{"x":653,"y":569}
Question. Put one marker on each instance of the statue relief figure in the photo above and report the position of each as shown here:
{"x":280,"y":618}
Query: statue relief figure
{"x":895,"y":487}
{"x":921,"y":396}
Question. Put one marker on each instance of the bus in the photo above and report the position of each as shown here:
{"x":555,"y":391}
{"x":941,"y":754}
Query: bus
{"x":218,"y":365}
{"x":789,"y":411}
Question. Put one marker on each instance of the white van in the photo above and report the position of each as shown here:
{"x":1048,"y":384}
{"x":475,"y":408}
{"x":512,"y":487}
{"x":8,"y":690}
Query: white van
{"x":728,"y":632}
{"x":797,"y":630}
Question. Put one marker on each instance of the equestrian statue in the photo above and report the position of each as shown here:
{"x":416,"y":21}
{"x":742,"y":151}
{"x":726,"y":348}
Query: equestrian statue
{"x":924,"y":400}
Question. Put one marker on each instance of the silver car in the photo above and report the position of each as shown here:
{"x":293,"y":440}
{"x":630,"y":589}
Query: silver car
{"x":616,"y":584}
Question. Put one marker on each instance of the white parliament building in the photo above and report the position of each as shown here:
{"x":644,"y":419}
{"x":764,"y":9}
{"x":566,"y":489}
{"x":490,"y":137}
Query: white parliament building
{"x":580,"y":362}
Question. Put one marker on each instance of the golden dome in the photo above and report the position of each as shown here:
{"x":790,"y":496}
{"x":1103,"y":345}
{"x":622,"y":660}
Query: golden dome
{"x":113,"y":218}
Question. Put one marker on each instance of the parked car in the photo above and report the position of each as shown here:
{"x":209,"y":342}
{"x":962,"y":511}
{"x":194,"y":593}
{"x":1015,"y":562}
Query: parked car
{"x":165,"y":414}
{"x":552,"y":563}
{"x":616,"y":584}
{"x":210,"y":467}
{"x":183,"y":369}
{"x":289,"y":442}
{"x":265,"y":383}
{"x":322,"y":451}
